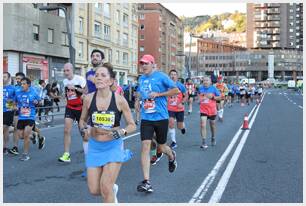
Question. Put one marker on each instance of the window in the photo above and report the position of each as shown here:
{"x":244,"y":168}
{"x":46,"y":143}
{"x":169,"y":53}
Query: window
{"x":106,"y":10}
{"x":106,"y":30}
{"x":118,"y":36}
{"x":126,"y":5}
{"x":64,"y":39}
{"x":110,"y":56}
{"x":97,"y":28}
{"x":125,"y":39}
{"x":36,"y":32}
{"x":125,"y":20}
{"x":50,"y":36}
{"x":61,"y":13}
{"x":81,"y":49}
{"x":81,"y":22}
{"x":141,"y":48}
{"x":117,"y":57}
{"x":125,"y":58}
{"x":141,"y":37}
{"x":142,"y":27}
{"x":97,"y":5}
{"x":141,"y":16}
{"x":118,"y":17}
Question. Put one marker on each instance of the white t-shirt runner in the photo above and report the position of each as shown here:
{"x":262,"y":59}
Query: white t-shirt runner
{"x":74,"y":100}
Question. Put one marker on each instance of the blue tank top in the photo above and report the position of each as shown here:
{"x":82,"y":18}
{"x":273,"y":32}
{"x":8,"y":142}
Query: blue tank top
{"x":90,"y":85}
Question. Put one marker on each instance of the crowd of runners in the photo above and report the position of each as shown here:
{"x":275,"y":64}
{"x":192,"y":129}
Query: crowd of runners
{"x":97,"y":103}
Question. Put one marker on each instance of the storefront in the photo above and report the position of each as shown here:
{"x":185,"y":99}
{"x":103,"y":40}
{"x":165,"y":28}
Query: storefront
{"x":35,"y":67}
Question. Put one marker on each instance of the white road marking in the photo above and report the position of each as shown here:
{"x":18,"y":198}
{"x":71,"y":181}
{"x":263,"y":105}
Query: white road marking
{"x":218,"y":192}
{"x":132,"y":135}
{"x":202,"y":190}
{"x":294,"y":103}
{"x":300,"y":107}
{"x":280,"y":93}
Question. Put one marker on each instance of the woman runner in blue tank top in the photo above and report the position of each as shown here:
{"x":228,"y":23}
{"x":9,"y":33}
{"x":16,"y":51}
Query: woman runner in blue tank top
{"x":105,"y":146}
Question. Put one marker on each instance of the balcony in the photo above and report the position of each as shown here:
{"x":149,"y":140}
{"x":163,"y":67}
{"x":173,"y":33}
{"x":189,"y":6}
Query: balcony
{"x":274,"y":18}
{"x":276,"y":44}
{"x":273,"y":5}
{"x":273,"y":11}
{"x":274,"y":24}
{"x":276,"y":31}
{"x":276,"y":38}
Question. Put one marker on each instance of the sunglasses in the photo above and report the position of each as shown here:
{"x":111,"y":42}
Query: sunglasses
{"x":70,"y":90}
{"x":144,"y":63}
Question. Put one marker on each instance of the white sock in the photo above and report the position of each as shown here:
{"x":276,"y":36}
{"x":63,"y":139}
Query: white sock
{"x":221,"y":113}
{"x":172,"y":134}
{"x":85,"y":147}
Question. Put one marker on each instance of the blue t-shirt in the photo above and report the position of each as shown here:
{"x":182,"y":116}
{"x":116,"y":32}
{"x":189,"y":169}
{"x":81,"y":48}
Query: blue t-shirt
{"x":26,"y":102}
{"x":90,"y":85}
{"x":181,"y":87}
{"x":231,"y":88}
{"x":8,"y":98}
{"x":154,"y":109}
{"x":211,"y":89}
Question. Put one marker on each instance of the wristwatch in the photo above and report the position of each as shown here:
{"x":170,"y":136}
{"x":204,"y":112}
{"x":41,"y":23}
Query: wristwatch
{"x":124,"y":132}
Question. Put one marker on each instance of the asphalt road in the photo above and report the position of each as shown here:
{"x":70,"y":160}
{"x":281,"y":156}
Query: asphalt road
{"x":268,"y":169}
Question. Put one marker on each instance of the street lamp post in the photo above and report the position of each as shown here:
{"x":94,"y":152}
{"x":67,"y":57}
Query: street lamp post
{"x":71,"y":49}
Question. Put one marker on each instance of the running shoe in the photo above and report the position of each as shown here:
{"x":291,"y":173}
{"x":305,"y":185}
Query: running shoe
{"x":183,"y":131}
{"x":84,"y":174}
{"x":173,"y":145}
{"x":204,"y":145}
{"x":145,"y":186}
{"x":65,"y":158}
{"x":24,"y":157}
{"x":14,"y":151}
{"x":41,"y":142}
{"x":5,"y":150}
{"x":213,"y":141}
{"x":156,"y":158}
{"x":33,"y":137}
{"x":115,"y":191}
{"x":173,"y":163}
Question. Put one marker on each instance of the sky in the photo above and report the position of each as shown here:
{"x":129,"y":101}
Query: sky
{"x":196,"y":9}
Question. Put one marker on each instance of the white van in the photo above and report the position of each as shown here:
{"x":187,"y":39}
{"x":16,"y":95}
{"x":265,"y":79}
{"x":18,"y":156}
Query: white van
{"x":249,"y":81}
{"x":291,"y":84}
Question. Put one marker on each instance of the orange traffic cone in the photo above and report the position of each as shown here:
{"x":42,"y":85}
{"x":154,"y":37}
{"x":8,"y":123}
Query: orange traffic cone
{"x":245,"y":122}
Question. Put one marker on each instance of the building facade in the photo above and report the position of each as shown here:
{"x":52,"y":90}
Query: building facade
{"x":112,"y":28}
{"x":161,"y":35}
{"x":34,"y":42}
{"x":287,"y":64}
{"x":275,"y":26}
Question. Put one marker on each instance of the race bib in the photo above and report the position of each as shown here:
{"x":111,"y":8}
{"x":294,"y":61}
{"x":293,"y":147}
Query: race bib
{"x":71,"y":95}
{"x":25,"y":111}
{"x":173,"y":101}
{"x":9,"y":105}
{"x":149,"y":106}
{"x":103,"y":120}
{"x":204,"y":100}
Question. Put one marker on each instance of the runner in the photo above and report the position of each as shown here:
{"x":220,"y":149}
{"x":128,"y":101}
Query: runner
{"x":242,"y":94}
{"x":8,"y":108}
{"x":74,"y":88}
{"x":191,"y":93}
{"x":97,"y":58}
{"x":18,"y":77}
{"x":231,"y":92}
{"x":220,"y":103}
{"x":105,"y":150}
{"x":26,"y":101}
{"x":208,"y":96}
{"x":176,"y":108}
{"x":154,"y":87}
{"x":117,"y":88}
{"x":137,"y":102}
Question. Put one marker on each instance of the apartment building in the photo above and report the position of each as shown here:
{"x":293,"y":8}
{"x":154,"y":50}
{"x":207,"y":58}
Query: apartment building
{"x":275,"y":26}
{"x":161,"y":35}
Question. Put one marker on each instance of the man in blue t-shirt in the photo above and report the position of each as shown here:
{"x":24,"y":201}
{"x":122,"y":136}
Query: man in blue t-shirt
{"x":26,"y":99}
{"x":154,"y":87}
{"x":97,"y":57}
{"x":8,"y":108}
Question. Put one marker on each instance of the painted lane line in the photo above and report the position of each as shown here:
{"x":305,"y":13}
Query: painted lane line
{"x":132,"y":135}
{"x":294,"y":103}
{"x":300,"y":107}
{"x":218,"y":192}
{"x":202,"y":190}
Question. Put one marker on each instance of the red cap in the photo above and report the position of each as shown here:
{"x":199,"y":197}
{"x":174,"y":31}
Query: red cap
{"x":147,"y":58}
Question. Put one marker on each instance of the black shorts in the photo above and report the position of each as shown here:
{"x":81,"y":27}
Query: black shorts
{"x":147,"y":129}
{"x":248,"y":96}
{"x":23,"y":123}
{"x":212,"y":117}
{"x":8,"y":118}
{"x":191,"y":96}
{"x":179,"y":116}
{"x":231,"y":95}
{"x":242,"y":95}
{"x":73,"y":114}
